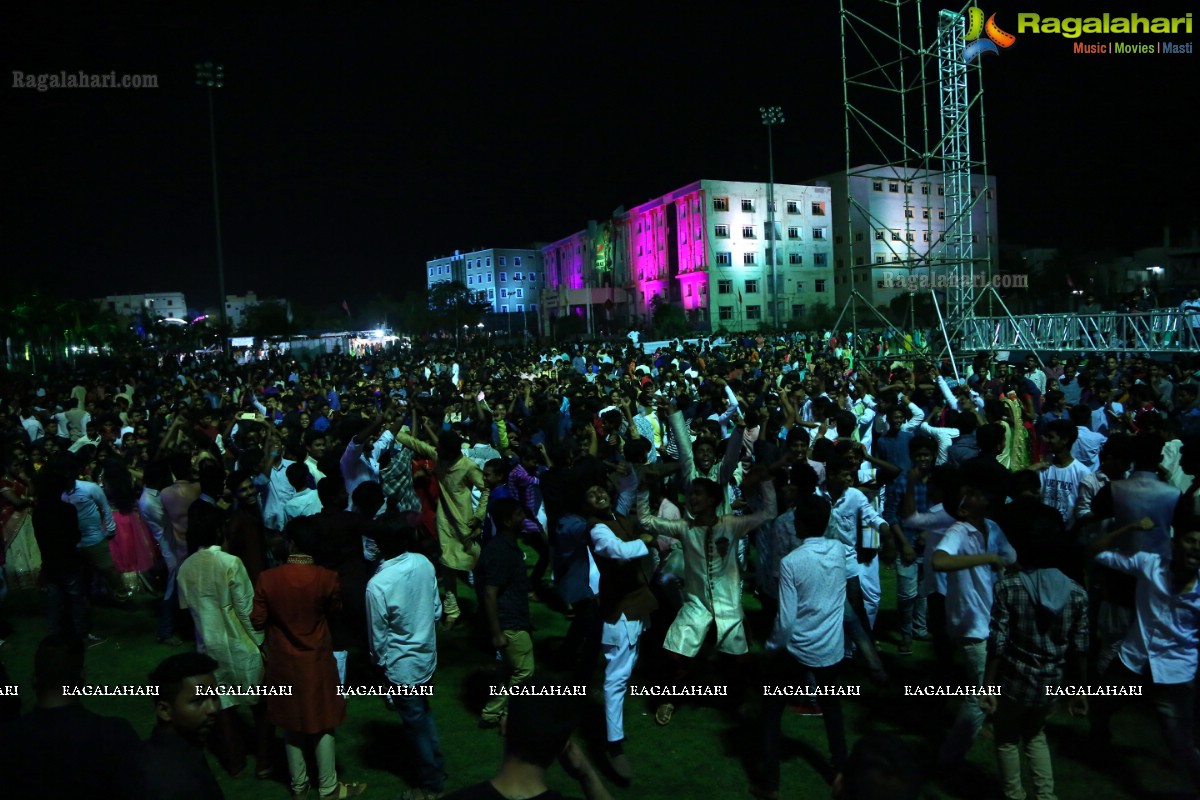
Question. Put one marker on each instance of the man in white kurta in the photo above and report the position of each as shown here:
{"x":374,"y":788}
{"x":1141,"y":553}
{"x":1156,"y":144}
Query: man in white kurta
{"x":711,"y":578}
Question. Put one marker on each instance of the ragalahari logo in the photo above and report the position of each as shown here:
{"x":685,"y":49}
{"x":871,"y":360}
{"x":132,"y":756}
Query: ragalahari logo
{"x":996,"y":40}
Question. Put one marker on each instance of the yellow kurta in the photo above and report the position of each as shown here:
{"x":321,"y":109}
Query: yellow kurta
{"x":215,"y":587}
{"x":456,"y":508}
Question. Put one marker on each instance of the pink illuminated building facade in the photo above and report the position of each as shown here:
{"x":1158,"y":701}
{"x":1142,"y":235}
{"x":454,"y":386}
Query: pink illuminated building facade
{"x":704,"y":247}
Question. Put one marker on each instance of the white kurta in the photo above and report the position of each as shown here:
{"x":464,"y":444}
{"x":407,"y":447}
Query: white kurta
{"x":711,"y":578}
{"x":215,"y":587}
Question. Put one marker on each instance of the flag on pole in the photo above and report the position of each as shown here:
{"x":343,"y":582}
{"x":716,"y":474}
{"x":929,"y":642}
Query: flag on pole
{"x":346,"y":306}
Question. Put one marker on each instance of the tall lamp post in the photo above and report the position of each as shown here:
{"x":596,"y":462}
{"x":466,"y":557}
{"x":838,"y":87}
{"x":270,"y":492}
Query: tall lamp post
{"x":771,"y":116}
{"x":211,"y":76}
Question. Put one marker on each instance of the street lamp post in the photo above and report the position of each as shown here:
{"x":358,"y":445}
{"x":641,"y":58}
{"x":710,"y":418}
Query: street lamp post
{"x":212,"y":76}
{"x":771,"y":116}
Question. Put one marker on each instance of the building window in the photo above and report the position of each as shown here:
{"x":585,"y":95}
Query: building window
{"x":516,"y":261}
{"x":703,"y":289}
{"x":720,"y":204}
{"x":880,"y":260}
{"x":748,"y":258}
{"x":925,"y":236}
{"x":818,"y":233}
{"x":793,"y":206}
{"x":797,"y":310}
{"x":858,"y":237}
{"x":748,"y":232}
{"x":924,"y":213}
{"x":752,"y":286}
{"x":924,"y":188}
{"x":877,"y":186}
{"x":490,"y":277}
{"x":893,"y":187}
{"x":503,"y":277}
{"x":747,"y":204}
{"x":725,"y":312}
{"x":520,"y":292}
{"x":753,"y":312}
{"x":908,"y":212}
{"x":725,"y":287}
{"x":860,"y":260}
{"x":504,"y":261}
{"x":795,"y":259}
{"x":503,"y":293}
{"x":698,"y":234}
{"x":820,"y":286}
{"x":910,"y":236}
{"x":908,"y":188}
{"x":504,"y":309}
{"x":689,"y":291}
{"x":818,"y":208}
{"x":721,"y":231}
{"x":837,"y":239}
{"x":793,"y":233}
{"x":879,"y":234}
{"x":895,"y":236}
{"x":724,"y":259}
{"x":470,"y":280}
{"x":533,"y":307}
{"x":941,"y":213}
{"x":941,"y":191}
{"x":895,"y":259}
{"x":697,"y":205}
{"x":516,"y":276}
{"x":820,"y":259}
{"x":489,"y":261}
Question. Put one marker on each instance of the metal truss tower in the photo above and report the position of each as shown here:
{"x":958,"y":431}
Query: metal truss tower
{"x":914,"y":119}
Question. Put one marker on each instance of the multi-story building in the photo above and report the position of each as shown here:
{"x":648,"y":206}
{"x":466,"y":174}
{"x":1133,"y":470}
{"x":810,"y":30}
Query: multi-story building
{"x":890,"y":224}
{"x":236,"y":306}
{"x":152,"y":306}
{"x":508,"y":279}
{"x":707,"y":247}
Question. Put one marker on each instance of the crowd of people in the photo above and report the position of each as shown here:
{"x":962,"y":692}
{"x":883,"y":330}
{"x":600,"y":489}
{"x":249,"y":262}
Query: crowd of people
{"x":699,"y":516}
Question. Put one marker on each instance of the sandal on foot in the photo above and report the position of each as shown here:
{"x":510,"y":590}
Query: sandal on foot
{"x":345,"y":790}
{"x":664,"y":713}
{"x":301,"y":794}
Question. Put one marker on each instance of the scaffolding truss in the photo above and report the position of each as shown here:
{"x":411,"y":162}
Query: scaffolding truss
{"x":914,"y":115}
{"x":1164,"y":331}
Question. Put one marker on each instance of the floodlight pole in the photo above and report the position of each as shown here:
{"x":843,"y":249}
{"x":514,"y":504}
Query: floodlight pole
{"x":212,"y":76}
{"x":771,"y":116}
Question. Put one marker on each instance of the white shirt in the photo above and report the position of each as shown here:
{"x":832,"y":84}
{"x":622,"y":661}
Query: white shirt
{"x":1086,"y":449}
{"x":33,"y":428}
{"x":812,"y":598}
{"x":402,"y":611}
{"x":848,"y":511}
{"x":1060,"y":488}
{"x":935,"y":522}
{"x":305,"y":504}
{"x":279,"y":491}
{"x":1165,"y":624}
{"x":969,"y":591}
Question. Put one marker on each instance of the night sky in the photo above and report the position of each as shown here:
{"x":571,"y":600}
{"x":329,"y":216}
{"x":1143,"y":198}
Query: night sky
{"x":355,"y":145}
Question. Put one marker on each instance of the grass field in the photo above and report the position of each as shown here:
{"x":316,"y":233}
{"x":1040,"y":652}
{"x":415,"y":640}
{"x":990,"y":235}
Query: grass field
{"x":702,"y":754}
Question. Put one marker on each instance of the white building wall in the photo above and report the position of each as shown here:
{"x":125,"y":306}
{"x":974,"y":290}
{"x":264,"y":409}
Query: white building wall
{"x":504,"y":277}
{"x":155,"y":305}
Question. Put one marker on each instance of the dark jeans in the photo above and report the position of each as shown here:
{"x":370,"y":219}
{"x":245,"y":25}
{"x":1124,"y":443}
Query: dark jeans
{"x":858,"y":626}
{"x":943,"y":645}
{"x":167,"y":611}
{"x":67,"y":607}
{"x":421,"y":733}
{"x":1174,"y":705}
{"x":582,"y":643}
{"x":784,"y":670}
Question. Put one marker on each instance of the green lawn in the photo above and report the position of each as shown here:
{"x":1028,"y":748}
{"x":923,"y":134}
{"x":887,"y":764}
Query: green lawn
{"x":701,"y":754}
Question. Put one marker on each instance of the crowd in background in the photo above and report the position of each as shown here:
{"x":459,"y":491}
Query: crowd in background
{"x":323,"y":524}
